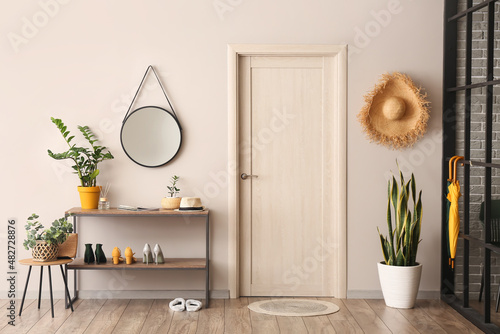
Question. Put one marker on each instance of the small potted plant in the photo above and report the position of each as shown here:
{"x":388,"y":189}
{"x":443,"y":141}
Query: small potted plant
{"x":44,"y":243}
{"x":400,"y":274}
{"x":173,"y":202}
{"x":85,"y":162}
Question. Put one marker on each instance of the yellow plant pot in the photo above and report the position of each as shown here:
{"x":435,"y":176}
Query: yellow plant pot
{"x":171,"y":203}
{"x":89,"y":197}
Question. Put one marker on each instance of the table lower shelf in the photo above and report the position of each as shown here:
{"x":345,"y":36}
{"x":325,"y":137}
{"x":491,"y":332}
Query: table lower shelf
{"x":170,"y":264}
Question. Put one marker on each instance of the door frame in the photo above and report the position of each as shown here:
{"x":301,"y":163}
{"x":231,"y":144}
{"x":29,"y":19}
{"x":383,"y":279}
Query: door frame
{"x":339,"y":53}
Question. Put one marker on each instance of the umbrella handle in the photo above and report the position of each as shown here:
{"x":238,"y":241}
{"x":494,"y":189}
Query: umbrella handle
{"x":455,"y":167}
{"x":451,"y":176}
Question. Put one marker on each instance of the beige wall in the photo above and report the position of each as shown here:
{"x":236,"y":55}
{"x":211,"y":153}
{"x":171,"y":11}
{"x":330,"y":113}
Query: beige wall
{"x":82,"y":61}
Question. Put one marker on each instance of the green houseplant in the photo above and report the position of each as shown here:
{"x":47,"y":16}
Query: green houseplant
{"x":399,"y":273}
{"x":173,"y":190}
{"x":172,"y":203}
{"x":44,"y":242}
{"x":85,"y":162}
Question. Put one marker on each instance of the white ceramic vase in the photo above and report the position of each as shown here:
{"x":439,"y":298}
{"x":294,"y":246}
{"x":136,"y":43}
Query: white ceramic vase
{"x":399,"y":284}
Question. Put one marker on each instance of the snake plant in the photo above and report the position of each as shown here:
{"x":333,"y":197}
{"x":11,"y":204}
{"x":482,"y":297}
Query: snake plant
{"x":401,"y":245}
{"x":85,"y":159}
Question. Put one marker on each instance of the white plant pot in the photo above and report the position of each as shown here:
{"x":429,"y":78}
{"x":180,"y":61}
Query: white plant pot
{"x":399,"y":284}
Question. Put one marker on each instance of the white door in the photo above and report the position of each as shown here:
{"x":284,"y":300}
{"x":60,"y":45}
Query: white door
{"x":287,"y":140}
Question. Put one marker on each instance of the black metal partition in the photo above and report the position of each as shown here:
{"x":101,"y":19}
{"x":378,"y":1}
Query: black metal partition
{"x":471,"y":86}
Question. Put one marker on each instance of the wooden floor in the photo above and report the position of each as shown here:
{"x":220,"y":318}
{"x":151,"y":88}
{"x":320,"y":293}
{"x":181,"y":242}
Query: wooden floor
{"x":231,"y":316}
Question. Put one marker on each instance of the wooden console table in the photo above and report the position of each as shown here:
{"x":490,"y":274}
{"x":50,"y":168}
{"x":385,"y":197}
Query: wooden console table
{"x":170,"y":263}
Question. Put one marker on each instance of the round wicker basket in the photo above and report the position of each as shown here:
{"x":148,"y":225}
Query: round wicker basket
{"x":43,"y":252}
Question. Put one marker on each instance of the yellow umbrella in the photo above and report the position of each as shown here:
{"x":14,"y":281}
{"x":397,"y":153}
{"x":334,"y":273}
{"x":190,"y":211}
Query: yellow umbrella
{"x":453,"y":216}
{"x":450,"y":180}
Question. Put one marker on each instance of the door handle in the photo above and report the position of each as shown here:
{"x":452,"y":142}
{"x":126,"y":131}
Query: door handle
{"x":245,"y":176}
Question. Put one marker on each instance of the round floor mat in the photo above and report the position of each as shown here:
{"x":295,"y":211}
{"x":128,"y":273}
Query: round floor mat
{"x":294,"y":307}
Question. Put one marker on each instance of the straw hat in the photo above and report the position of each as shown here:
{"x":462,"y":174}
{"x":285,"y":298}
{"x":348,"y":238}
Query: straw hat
{"x":191,"y":204}
{"x":395,"y":112}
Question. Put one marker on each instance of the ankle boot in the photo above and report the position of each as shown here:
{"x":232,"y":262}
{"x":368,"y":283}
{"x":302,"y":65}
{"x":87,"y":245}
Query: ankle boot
{"x":99,"y":254}
{"x":89,"y":254}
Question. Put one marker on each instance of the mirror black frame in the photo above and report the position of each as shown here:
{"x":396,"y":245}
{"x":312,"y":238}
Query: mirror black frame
{"x":169,"y":113}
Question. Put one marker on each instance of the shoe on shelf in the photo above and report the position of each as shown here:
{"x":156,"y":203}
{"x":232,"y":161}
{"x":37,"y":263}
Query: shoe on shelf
{"x":116,"y":255}
{"x":193,"y":305}
{"x":99,"y":254}
{"x":147,"y":256}
{"x":88,"y":257}
{"x":129,"y":256}
{"x":178,"y":304}
{"x":159,"y":259}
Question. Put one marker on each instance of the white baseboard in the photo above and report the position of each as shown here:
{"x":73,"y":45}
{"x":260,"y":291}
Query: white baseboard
{"x":195,"y":294}
{"x":128,"y":294}
{"x":377,"y":294}
{"x":151,"y":294}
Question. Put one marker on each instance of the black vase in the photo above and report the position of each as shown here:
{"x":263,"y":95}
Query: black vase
{"x":89,"y":254}
{"x":99,"y":254}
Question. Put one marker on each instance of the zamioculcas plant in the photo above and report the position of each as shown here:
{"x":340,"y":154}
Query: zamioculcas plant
{"x":85,"y":159}
{"x":400,"y":247}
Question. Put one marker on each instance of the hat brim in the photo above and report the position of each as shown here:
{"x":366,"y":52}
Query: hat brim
{"x":405,"y":131}
{"x":191,"y":209}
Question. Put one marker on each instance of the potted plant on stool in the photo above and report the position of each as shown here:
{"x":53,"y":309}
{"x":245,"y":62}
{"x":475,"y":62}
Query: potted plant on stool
{"x":400,"y":274}
{"x":85,"y":163}
{"x":44,"y":242}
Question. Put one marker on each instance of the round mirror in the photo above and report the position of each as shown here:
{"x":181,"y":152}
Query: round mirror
{"x":151,"y":136}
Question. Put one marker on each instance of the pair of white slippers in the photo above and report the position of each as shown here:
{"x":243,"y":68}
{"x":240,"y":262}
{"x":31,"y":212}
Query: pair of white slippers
{"x":179,"y":304}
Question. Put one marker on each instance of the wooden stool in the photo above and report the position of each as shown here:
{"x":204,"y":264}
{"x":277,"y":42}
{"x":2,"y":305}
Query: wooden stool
{"x":60,"y":263}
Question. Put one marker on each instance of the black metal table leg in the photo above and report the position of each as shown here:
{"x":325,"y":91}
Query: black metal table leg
{"x":207,"y":288}
{"x":66,"y":288}
{"x":207,"y":263}
{"x":24,"y":293}
{"x":40,"y":287}
{"x":51,"y":298}
{"x":66,"y":295}
{"x":75,"y":292}
{"x":75,"y":272}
